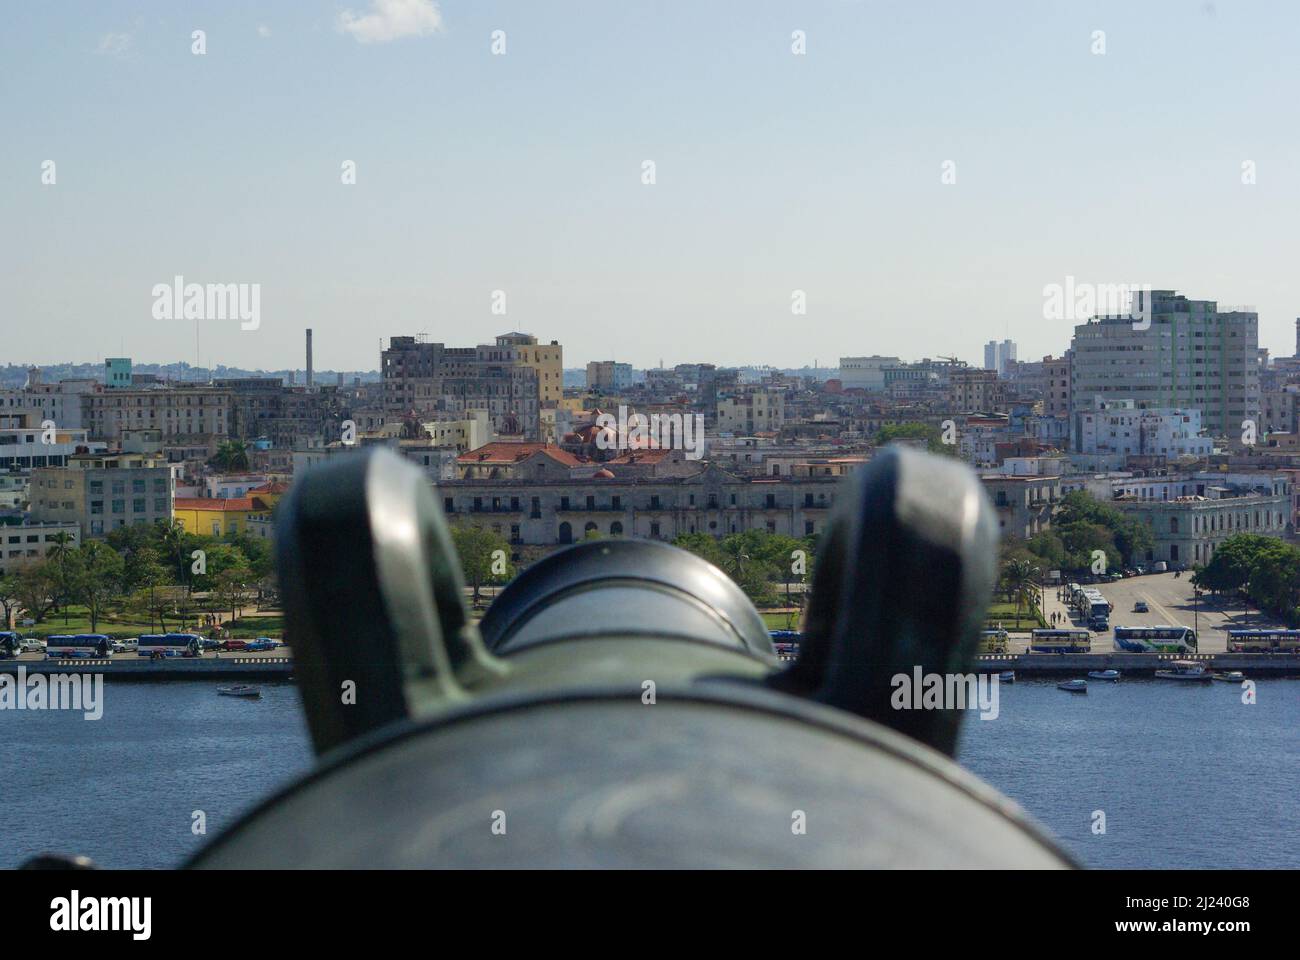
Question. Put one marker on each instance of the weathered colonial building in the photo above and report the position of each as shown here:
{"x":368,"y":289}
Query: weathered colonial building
{"x":528,"y":510}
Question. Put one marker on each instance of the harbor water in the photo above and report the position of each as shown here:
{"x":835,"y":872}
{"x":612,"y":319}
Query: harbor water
{"x":1184,"y":775}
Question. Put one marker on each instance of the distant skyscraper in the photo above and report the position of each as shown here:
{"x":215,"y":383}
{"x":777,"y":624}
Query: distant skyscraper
{"x":996,"y":355}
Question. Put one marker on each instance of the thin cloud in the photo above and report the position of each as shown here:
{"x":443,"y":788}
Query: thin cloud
{"x":389,"y":20}
{"x":114,"y":44}
{"x":263,"y":30}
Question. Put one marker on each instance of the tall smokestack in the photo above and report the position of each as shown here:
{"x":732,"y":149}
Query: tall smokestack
{"x":309,"y":358}
{"x":1297,"y":337}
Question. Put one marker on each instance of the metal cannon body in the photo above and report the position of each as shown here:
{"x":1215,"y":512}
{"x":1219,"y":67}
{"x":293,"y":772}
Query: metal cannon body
{"x":620,"y":704}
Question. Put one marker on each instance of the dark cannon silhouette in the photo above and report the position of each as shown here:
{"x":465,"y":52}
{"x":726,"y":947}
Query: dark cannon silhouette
{"x":620,"y":704}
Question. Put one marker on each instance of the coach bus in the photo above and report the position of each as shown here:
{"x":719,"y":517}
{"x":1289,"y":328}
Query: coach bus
{"x":1263,"y":641}
{"x":64,"y":647}
{"x":1060,"y":641}
{"x":1158,"y":639}
{"x":170,"y":645}
{"x":993,"y":641}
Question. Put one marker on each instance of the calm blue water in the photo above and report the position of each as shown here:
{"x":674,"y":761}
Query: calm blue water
{"x":1187,"y":776}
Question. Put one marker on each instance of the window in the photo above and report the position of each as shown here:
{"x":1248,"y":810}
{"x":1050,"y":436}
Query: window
{"x":119,"y":506}
{"x":137,"y":505}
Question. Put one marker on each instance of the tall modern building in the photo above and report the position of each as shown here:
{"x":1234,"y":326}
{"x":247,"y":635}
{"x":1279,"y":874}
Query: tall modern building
{"x":997,"y":354}
{"x":1180,"y":353}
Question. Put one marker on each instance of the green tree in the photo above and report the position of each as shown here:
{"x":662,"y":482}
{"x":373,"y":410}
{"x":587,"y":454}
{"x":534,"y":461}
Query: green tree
{"x":233,"y":588}
{"x":9,"y":598}
{"x":915,"y":430}
{"x":96,"y":574}
{"x":37,"y":589}
{"x":484,"y":555}
{"x":231,"y":456}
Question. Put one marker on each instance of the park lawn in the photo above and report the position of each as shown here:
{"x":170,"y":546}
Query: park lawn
{"x":111,"y":623}
{"x":1004,"y":613}
{"x":262,"y":624}
{"x":781,"y":621}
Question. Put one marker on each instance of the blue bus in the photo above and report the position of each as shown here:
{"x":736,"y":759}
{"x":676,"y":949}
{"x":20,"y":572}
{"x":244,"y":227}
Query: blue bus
{"x":170,"y":645}
{"x":81,"y":645}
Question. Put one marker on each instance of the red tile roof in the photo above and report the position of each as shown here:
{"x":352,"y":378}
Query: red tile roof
{"x":506,"y":452}
{"x":230,"y":504}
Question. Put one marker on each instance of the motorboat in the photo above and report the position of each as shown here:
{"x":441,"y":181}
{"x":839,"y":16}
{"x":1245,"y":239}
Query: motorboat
{"x":1007,"y":676}
{"x":1111,"y":675}
{"x":1230,"y":676}
{"x":1188,"y":671}
{"x":1073,"y":686}
{"x":240,"y":690}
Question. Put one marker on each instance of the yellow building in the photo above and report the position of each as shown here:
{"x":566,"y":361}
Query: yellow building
{"x":546,"y":359}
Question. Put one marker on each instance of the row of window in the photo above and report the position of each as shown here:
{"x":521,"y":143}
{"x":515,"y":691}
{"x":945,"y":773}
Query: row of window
{"x":514,"y":505}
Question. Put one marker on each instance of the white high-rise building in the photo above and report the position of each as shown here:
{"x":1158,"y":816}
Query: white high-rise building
{"x":1178,"y":354}
{"x":996,"y":355}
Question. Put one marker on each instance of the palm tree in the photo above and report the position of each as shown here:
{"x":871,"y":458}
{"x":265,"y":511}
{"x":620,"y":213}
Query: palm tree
{"x":1021,"y":579}
{"x":172,"y":539}
{"x":231,"y":455}
{"x":61,"y":553}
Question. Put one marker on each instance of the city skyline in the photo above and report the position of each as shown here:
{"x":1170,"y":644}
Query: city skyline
{"x":776,"y":172}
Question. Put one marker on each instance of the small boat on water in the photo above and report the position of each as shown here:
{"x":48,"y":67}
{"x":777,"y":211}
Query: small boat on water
{"x":240,"y":690}
{"x":1007,"y":676}
{"x":1111,"y":675}
{"x":1073,"y":686}
{"x":1230,"y":676}
{"x":1188,"y":671}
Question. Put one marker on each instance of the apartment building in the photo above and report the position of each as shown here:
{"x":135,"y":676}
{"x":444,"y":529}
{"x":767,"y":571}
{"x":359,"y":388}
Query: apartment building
{"x":751,"y":411}
{"x":431,"y":378}
{"x":1186,"y":354}
{"x":26,"y":542}
{"x":1118,"y":428}
{"x":975,"y":391}
{"x":183,"y":412}
{"x":1023,"y":504}
{"x":101,"y":492}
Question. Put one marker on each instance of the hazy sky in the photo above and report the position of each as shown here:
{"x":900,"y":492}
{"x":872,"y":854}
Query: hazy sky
{"x":522,"y":172}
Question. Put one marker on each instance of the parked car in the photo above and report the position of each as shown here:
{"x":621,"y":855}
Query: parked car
{"x":261,"y":643}
{"x":234,"y":645}
{"x":210,"y":644}
{"x":33,"y":646}
{"x":1140,"y":607}
{"x":130,"y":644}
{"x":1160,"y":567}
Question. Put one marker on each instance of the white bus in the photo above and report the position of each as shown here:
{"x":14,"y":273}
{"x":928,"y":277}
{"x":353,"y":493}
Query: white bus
{"x":1158,"y":639}
{"x":1263,"y":641}
{"x":169,"y":645}
{"x":1060,"y":641}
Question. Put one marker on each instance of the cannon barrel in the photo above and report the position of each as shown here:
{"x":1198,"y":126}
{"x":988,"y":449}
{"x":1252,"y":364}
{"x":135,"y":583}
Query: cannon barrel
{"x":620,"y":704}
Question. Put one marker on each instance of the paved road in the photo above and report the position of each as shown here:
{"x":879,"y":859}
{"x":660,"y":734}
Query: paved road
{"x":1170,"y":601}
